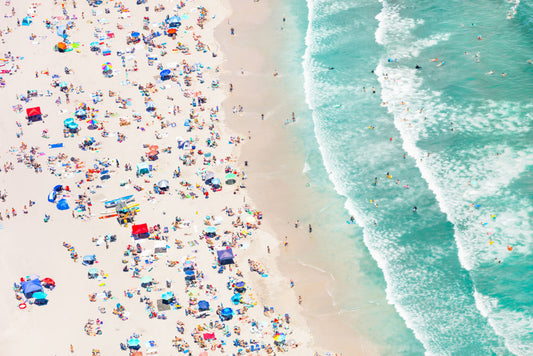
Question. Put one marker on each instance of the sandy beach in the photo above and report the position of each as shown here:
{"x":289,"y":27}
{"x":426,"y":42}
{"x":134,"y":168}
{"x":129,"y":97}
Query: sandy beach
{"x":125,"y":214}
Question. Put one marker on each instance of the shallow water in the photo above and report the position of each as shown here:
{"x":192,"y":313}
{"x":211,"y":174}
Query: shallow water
{"x":465,"y":132}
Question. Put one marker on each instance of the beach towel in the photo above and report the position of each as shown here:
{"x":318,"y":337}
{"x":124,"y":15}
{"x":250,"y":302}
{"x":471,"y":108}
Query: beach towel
{"x":55,"y":145}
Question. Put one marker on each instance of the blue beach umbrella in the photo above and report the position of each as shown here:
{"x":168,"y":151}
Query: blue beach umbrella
{"x":165,"y":73}
{"x":210,"y":229}
{"x":135,"y":34}
{"x":68,"y":121}
{"x":167,"y":295}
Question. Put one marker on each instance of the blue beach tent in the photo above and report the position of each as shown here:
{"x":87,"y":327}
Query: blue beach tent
{"x":30,"y":287}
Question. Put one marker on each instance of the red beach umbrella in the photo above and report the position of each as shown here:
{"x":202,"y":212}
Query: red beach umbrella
{"x":49,"y":281}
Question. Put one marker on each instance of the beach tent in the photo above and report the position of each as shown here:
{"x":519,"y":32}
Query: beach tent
{"x":92,"y":273}
{"x":34,"y":114}
{"x":88,"y":259}
{"x":142,"y":168}
{"x":62,"y":204}
{"x":140,"y":231}
{"x":27,"y":21}
{"x":61,"y":30}
{"x":225,"y":257}
{"x":30,"y":287}
{"x":203,"y":305}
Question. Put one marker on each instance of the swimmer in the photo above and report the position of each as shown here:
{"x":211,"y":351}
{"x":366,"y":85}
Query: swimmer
{"x":491,"y":72}
{"x":331,"y":68}
{"x":415,"y":209}
{"x":418,"y":67}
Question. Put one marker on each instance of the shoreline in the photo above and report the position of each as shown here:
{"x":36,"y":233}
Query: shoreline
{"x":253,"y":89}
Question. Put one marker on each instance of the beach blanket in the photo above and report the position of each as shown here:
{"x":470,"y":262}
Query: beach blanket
{"x":55,"y":145}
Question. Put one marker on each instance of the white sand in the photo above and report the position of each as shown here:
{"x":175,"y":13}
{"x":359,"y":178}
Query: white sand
{"x":31,"y":246}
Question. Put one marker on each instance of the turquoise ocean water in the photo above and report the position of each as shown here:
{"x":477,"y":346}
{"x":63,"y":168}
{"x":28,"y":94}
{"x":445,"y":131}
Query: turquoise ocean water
{"x":455,"y":139}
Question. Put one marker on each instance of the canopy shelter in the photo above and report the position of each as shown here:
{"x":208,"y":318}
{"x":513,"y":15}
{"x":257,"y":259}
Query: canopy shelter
{"x":209,"y":336}
{"x":225,"y":257}
{"x":140,"y":231}
{"x":190,"y":275}
{"x":30,"y":287}
{"x":211,"y":231}
{"x":160,"y":246}
{"x":203,"y":305}
{"x":34,"y":114}
{"x":240,"y":287}
{"x":230,"y":178}
{"x":146,"y":281}
{"x":143,"y":168}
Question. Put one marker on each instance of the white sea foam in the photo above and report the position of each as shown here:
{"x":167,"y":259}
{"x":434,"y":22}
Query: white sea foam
{"x":448,"y":174}
{"x":513,"y":326}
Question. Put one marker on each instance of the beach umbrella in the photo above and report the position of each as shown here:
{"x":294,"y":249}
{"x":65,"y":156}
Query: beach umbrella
{"x":62,"y":204}
{"x":215,"y":181}
{"x":62,"y":46}
{"x":95,"y":44}
{"x":236,"y":298}
{"x":209,"y":175}
{"x":231,"y":176}
{"x":26,"y":21}
{"x":49,"y":281}
{"x":153,"y":148}
{"x":210,"y":229}
{"x":187,"y":123}
{"x":174,"y":19}
{"x":93,"y":271}
{"x":163,"y":184}
{"x":63,"y":84}
{"x":89,"y":258}
{"x":92,"y":122}
{"x":146,"y":280}
{"x":279,"y":337}
{"x":203,"y":305}
{"x":172,"y":31}
{"x":240,"y":284}
{"x":135,"y":34}
{"x":39,"y":295}
{"x":80,"y":112}
{"x":165,"y":73}
{"x":60,"y":30}
{"x":68,"y":121}
{"x":73,"y":126}
{"x":226,"y":311}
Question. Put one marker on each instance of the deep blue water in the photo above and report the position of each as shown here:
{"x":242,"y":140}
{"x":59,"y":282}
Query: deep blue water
{"x":453,"y":138}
